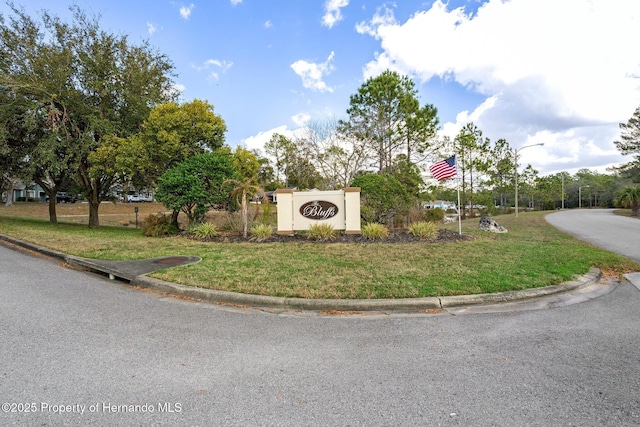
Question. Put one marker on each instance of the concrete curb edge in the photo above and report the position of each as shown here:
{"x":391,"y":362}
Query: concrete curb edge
{"x":398,"y":305}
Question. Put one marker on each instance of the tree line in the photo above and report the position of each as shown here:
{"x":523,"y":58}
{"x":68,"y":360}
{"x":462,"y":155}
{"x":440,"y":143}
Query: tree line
{"x":85,"y":109}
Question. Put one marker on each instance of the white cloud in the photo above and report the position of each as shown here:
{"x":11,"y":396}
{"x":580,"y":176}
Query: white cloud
{"x":268,"y":24}
{"x":383,"y":16}
{"x":258,"y":141}
{"x":451,"y":129}
{"x":235,"y":2}
{"x":151,"y":28}
{"x":177,"y":89}
{"x":332,"y":12}
{"x":566,"y":147}
{"x":559,"y":70}
{"x":312,"y":73}
{"x":185,"y":11}
{"x":301,"y":119}
{"x":217,"y":65}
{"x":223,"y":65}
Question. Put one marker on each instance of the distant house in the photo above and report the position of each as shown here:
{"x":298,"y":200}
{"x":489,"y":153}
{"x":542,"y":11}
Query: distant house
{"x":271,"y":196}
{"x":442,"y":204}
{"x":21,"y":192}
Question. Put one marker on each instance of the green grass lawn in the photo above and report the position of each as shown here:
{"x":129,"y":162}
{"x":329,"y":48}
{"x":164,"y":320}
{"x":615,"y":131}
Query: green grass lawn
{"x":532,"y":254}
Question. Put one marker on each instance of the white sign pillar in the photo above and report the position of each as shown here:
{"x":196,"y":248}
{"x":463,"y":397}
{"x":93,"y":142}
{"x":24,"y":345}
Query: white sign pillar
{"x":352,"y":210}
{"x":284,"y":198}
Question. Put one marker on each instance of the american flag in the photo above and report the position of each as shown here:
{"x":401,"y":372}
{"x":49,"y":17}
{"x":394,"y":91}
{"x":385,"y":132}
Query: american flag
{"x":444,"y":168}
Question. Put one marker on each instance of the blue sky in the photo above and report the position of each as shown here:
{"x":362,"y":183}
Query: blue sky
{"x":563,"y":73}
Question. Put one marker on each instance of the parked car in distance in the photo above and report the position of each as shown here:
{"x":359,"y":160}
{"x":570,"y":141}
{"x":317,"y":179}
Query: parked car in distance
{"x":134,"y":198}
{"x":63,"y":197}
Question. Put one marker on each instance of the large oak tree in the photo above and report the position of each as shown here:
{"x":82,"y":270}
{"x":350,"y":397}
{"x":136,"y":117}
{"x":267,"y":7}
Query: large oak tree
{"x":91,"y":87}
{"x":172,"y":133}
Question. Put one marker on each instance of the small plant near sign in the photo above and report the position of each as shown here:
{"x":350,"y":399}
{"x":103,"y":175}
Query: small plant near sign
{"x":204,"y":230}
{"x":423,"y":230}
{"x":375,"y":231}
{"x":261,"y":232}
{"x":232,"y":221}
{"x":321,"y":232}
{"x":266,"y":216}
{"x":157,"y":225}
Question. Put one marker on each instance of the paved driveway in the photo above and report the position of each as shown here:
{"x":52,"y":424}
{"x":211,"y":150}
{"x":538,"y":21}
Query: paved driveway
{"x":72,"y":341}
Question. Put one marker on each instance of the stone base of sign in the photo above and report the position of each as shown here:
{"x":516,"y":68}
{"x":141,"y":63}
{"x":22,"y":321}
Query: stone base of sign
{"x":285,"y":232}
{"x":352,"y":231}
{"x":298,"y":210}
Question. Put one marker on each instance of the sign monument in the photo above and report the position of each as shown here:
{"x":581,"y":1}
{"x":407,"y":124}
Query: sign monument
{"x":298,"y":210}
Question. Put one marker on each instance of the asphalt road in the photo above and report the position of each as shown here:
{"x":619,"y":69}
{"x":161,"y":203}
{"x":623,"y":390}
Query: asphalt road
{"x":603,"y":228}
{"x":72,"y":341}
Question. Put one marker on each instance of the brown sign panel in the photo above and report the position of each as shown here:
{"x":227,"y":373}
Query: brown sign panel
{"x":318,"y":210}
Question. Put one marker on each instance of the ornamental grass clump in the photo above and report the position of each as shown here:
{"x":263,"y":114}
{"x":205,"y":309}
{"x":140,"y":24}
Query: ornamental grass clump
{"x":321,"y":232}
{"x":423,"y":230}
{"x":261,"y":232}
{"x":375,"y":231}
{"x":158,"y":225}
{"x":204,"y":230}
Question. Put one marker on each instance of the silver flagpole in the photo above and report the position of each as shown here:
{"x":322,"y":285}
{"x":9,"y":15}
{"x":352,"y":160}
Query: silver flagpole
{"x":458,"y":185}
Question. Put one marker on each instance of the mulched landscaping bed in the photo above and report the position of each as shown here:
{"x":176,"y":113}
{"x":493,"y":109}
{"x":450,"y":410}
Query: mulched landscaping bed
{"x":395,"y":236}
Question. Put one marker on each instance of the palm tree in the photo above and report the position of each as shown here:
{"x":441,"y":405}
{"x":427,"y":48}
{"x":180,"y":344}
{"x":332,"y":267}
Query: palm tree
{"x":629,"y":197}
{"x":240,"y":190}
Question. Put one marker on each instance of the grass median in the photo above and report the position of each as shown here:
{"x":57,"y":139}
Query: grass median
{"x":532,"y":254}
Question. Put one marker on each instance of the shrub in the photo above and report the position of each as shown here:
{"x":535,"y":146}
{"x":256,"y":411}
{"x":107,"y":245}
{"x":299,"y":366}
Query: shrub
{"x":375,"y":231}
{"x":492,"y":210}
{"x":195,"y":184}
{"x":397,"y":221}
{"x":367,"y":213}
{"x":434,"y":215}
{"x":321,"y":232}
{"x":204,"y":230}
{"x":415,"y":214}
{"x":423,"y":230}
{"x":232,"y":221}
{"x":382,"y":196}
{"x":158,"y":225}
{"x":261,"y":232}
{"x":266,"y":214}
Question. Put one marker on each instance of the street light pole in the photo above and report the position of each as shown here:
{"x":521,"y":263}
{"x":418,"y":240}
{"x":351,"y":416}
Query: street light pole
{"x":562,"y":190}
{"x":516,"y":174}
{"x":580,"y":195}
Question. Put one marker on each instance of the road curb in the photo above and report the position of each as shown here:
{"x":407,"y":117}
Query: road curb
{"x":209,"y":295}
{"x":35,"y":248}
{"x":386,"y":305}
{"x":593,"y":276}
{"x":261,"y":301}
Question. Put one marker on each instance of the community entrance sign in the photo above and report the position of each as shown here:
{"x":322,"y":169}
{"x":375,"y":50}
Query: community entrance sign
{"x":297,"y":210}
{"x":319,"y":209}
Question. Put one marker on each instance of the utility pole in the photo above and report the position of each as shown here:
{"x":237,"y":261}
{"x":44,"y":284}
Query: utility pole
{"x":516,"y":174}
